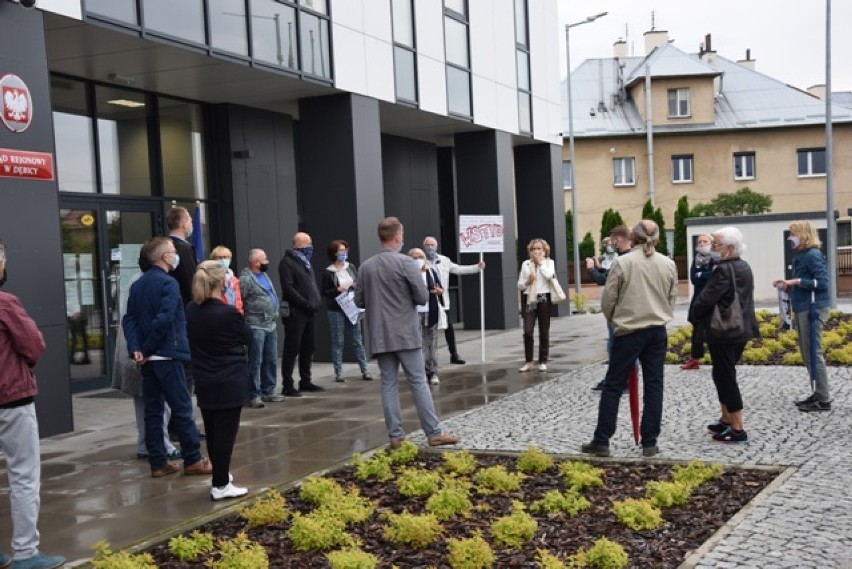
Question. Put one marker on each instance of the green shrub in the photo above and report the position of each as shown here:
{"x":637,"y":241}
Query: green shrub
{"x":665,"y":494}
{"x":378,"y":467}
{"x":606,"y":554}
{"x":406,"y":453}
{"x":186,"y":548}
{"x":417,"y":482}
{"x":571,"y":502}
{"x":318,"y":491}
{"x":350,"y":508}
{"x":580,"y":475}
{"x":832,"y":338}
{"x":496,"y":479}
{"x":515,"y":529}
{"x":409,"y":529}
{"x":533,"y":460}
{"x":266,"y":510}
{"x":696,"y":473}
{"x":706,"y":359}
{"x":451,"y":500}
{"x":672,"y":358}
{"x":774,"y":346}
{"x":547,"y":560}
{"x":763,"y":315}
{"x":789,"y":339}
{"x":839,"y":356}
{"x":767,"y":330}
{"x":461,"y":462}
{"x":793,"y":359}
{"x":638,"y":515}
{"x":756,"y":355}
{"x":471,"y":553}
{"x":106,"y":558}
{"x":318,"y":530}
{"x":686,"y":349}
{"x":351,"y":559}
{"x":673,"y":341}
{"x":240,"y":553}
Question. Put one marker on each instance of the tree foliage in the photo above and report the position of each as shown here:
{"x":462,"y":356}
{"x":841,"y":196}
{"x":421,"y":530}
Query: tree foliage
{"x":681,"y":213}
{"x":587,"y":246}
{"x":656,"y":215}
{"x":610,"y":219}
{"x":743,"y":202}
{"x":569,"y":234}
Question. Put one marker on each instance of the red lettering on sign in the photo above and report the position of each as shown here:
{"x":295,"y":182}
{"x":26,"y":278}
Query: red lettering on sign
{"x":26,"y":164}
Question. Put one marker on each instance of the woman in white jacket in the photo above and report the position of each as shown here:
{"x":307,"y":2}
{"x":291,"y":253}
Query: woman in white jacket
{"x":534,"y":282}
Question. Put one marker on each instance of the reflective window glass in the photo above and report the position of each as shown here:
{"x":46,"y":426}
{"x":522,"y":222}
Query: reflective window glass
{"x":314,"y":43}
{"x":523,"y":70}
{"x":228,"y":30}
{"x":273,"y":33}
{"x":182,"y":20}
{"x":458,"y":91}
{"x":404,"y":73}
{"x":521,"y":22}
{"x":455,"y":37}
{"x":182,"y":144}
{"x":315,"y":5}
{"x":122,"y":10}
{"x":457,"y":6}
{"x":403,"y":31}
{"x":73,"y":136}
{"x":123,"y":142}
{"x":524,"y":112}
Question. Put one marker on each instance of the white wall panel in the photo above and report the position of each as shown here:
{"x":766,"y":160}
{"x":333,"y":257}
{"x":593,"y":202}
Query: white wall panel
{"x":380,"y":73}
{"x":507,"y":108}
{"x":432,"y":84}
{"x":70,"y":8}
{"x":377,"y":19}
{"x":484,"y":102}
{"x":348,"y":13}
{"x":482,"y":38}
{"x":429,"y":28}
{"x":350,"y":71}
{"x":503,"y":25}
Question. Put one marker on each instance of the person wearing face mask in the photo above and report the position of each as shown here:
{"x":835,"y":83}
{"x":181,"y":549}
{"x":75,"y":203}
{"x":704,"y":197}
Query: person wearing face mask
{"x":232,"y":294}
{"x":155,"y":330}
{"x":808,"y":290}
{"x":446,"y":267}
{"x":339,"y":277}
{"x":260,"y":302}
{"x":299,"y":288}
{"x":180,"y":227}
{"x":534,"y":284}
{"x":429,"y":314}
{"x":732,"y":274}
{"x":699,"y":273}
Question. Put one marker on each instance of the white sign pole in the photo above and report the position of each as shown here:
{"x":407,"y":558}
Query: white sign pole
{"x":482,"y":308}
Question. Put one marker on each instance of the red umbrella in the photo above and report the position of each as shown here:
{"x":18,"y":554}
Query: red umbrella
{"x":633,"y":394}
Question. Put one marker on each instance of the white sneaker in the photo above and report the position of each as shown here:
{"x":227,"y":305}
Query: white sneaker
{"x":542,"y":367}
{"x":526,"y":367}
{"x":434,"y":380}
{"x":225,"y":492}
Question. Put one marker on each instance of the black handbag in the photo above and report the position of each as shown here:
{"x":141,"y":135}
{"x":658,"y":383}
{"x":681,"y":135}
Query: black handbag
{"x":726,"y":323}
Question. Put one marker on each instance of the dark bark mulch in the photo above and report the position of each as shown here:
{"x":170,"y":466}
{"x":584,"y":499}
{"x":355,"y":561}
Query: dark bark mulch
{"x":684,"y":529}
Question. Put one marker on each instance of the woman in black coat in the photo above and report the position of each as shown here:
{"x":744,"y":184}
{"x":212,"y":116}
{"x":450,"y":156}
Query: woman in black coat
{"x":730,"y":271}
{"x":219,"y":340}
{"x":699,"y":274}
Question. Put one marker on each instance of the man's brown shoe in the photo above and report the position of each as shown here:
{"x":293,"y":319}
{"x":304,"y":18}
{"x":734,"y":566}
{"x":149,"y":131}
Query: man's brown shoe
{"x":440,"y":440}
{"x":169,"y":468}
{"x":199,"y":468}
{"x":396,"y":443}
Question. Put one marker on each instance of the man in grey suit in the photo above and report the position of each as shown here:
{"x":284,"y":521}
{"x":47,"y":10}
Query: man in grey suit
{"x":390,"y":288}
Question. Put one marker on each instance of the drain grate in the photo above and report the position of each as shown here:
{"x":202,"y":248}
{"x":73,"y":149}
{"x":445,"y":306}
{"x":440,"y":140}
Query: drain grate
{"x":111,"y":394}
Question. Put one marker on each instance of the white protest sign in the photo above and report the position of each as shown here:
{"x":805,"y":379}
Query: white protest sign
{"x":480,"y":234}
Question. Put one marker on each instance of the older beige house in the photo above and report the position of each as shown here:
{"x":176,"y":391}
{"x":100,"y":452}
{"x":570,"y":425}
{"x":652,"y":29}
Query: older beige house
{"x":708,"y":125}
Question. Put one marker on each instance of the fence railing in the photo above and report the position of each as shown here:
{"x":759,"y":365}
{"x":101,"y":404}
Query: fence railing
{"x":844,"y":261}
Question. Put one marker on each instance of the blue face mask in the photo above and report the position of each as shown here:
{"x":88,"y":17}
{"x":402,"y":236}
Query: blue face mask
{"x":431,"y":251}
{"x":401,"y":245}
{"x":308,"y":251}
{"x":342,"y":257}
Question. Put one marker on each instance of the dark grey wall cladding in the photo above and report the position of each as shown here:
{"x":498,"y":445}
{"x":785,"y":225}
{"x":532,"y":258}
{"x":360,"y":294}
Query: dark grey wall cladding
{"x":29,"y":214}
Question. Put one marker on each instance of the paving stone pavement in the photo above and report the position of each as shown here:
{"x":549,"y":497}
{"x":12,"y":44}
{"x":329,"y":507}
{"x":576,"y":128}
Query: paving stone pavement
{"x":806,"y":522}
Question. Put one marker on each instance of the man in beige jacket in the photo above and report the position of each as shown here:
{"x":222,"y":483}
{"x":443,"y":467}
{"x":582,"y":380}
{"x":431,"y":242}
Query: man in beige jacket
{"x":638,"y":301}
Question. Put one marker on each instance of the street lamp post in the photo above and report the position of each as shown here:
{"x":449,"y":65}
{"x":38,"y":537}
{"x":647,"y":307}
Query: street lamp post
{"x":574,"y":213}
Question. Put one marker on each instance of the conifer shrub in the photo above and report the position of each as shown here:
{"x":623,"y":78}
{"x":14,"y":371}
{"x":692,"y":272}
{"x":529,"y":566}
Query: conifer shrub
{"x":471,"y":553}
{"x":515,"y":529}
{"x":767,"y":330}
{"x":774,"y":346}
{"x":350,"y":507}
{"x":460,"y":462}
{"x":672,"y":358}
{"x":580,"y":475}
{"x":547,"y":560}
{"x":497,"y":480}
{"x":406,"y":453}
{"x":756,"y":355}
{"x":378,"y":467}
{"x":417,"y":482}
{"x":606,"y":554}
{"x":792,"y":359}
{"x":533,"y":460}
{"x":418,"y":531}
{"x":638,"y":515}
{"x":106,"y":558}
{"x":665,"y":494}
{"x":266,"y":510}
{"x":318,"y":490}
{"x":351,"y":559}
{"x":319,"y":529}
{"x":240,"y":553}
{"x":190,"y":547}
{"x":839,"y":356}
{"x":453,"y":499}
{"x":570,"y":502}
{"x":696,"y":473}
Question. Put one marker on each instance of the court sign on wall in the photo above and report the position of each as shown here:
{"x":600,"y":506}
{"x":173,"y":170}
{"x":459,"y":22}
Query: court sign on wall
{"x":17,"y":103}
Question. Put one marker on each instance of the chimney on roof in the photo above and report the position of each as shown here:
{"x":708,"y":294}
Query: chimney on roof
{"x":654,"y":39}
{"x":706,"y":52}
{"x":748,"y":62}
{"x":619,"y":48}
{"x":817,"y":91}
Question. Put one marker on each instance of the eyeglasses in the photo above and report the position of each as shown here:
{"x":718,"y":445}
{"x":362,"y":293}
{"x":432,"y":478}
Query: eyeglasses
{"x":536,"y":249}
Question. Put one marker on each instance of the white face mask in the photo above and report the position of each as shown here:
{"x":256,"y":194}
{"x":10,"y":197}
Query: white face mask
{"x":794,"y":241}
{"x":226,"y":263}
{"x":704,"y":249}
{"x":420,"y":263}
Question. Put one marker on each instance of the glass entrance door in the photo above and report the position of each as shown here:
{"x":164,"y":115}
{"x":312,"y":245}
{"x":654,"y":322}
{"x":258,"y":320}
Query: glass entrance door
{"x":100,"y":250}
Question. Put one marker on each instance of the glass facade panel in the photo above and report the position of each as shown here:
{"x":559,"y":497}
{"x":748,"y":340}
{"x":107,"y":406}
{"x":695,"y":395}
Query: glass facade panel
{"x":524,"y":112}
{"x":182,"y":146}
{"x":315,"y":5}
{"x":457,"y":6}
{"x":182,"y":20}
{"x":403,"y":31}
{"x":458,"y":91}
{"x":567,"y":181}
{"x":455,"y":36}
{"x":404,"y":74}
{"x":521,"y":22}
{"x":228,"y":31}
{"x":123,"y":142}
{"x":523,"y":70}
{"x":818,"y":162}
{"x":273,"y":33}
{"x":314,"y":43}
{"x":73,"y":136}
{"x":121,"y":10}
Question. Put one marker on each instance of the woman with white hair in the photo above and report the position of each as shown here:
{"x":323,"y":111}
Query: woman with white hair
{"x":731,"y":276}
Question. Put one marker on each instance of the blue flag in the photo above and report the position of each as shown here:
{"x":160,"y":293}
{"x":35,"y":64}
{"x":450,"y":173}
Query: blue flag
{"x":197,"y":237}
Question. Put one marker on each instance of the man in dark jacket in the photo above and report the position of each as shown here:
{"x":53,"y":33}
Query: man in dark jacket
{"x":155,"y":328}
{"x":180,"y":227}
{"x":21,"y":345}
{"x":299,"y":289}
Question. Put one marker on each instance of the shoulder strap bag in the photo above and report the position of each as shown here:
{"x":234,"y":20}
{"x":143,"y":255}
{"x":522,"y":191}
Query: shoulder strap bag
{"x":726,"y":323}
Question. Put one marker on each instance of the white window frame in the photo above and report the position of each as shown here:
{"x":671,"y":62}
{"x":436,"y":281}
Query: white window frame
{"x":681,"y":95}
{"x":567,"y":171}
{"x":678,"y":174}
{"x":809,"y":152}
{"x":743,"y":158}
{"x":621,"y":163}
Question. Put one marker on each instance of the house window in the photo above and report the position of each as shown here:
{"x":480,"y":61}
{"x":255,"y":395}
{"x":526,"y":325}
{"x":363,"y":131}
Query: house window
{"x":811,"y":162}
{"x":457,"y":49}
{"x":682,"y":169}
{"x":624,"y":171}
{"x":522,"y":56}
{"x":567,"y":175}
{"x":679,"y":103}
{"x":404,"y":55}
{"x":744,"y":166}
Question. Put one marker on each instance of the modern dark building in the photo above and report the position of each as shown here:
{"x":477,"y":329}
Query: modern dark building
{"x":270,"y":116}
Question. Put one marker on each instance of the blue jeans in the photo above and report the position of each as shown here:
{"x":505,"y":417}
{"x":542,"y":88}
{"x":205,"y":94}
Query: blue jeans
{"x":263,"y":369}
{"x":803,"y":327}
{"x":414,"y":368}
{"x":164,"y":380}
{"x":19,"y":442}
{"x":339,"y":325}
{"x":649,"y":346}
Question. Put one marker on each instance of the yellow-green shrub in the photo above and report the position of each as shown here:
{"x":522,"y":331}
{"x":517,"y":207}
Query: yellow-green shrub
{"x":417,"y":482}
{"x":756,"y":355}
{"x":839,"y":356}
{"x":461,"y":462}
{"x":515,"y":529}
{"x":350,"y":508}
{"x":762,"y":315}
{"x":696,"y":472}
{"x":106,"y":558}
{"x":789,"y":339}
{"x":673,"y":341}
{"x":378,"y":467}
{"x":606,"y":554}
{"x":832,"y":338}
{"x":533,"y":460}
{"x":318,"y":530}
{"x":266,"y":510}
{"x":496,"y":479}
{"x":774,"y":346}
{"x":471,"y":553}
{"x":767,"y":330}
{"x":405,"y":453}
{"x":547,"y":560}
{"x":571,"y":502}
{"x":793,"y":359}
{"x":351,"y":559}
{"x":410,"y":529}
{"x":686,"y":348}
{"x":672,"y":358}
{"x":706,"y":359}
{"x":637,"y":514}
{"x":665,"y":494}
{"x":240,"y":553}
{"x":318,"y":490}
{"x":451,"y":500}
{"x":580,"y":475}
{"x":190,"y":547}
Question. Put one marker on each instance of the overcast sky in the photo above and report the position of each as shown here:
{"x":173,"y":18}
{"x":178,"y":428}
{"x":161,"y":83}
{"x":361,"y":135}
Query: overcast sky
{"x":786,"y":37}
